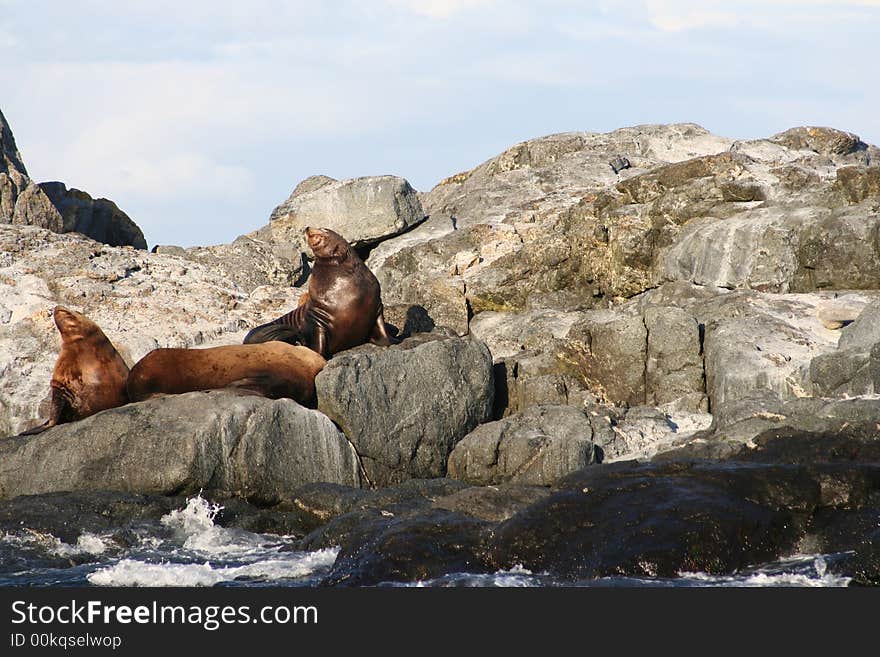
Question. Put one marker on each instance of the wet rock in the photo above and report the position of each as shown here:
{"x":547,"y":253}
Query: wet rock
{"x":656,"y":521}
{"x":404,"y":407}
{"x":410,"y":549}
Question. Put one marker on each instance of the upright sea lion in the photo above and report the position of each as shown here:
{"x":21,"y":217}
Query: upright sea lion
{"x":272,"y":369}
{"x":89,"y":375}
{"x":343,"y":307}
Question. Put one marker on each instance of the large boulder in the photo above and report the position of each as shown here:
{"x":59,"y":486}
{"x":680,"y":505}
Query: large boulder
{"x":220,"y":442}
{"x":535,"y":447}
{"x":363,"y":210}
{"x":404,"y":407}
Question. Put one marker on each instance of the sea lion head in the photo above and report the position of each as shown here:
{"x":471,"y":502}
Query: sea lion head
{"x":326,"y":243}
{"x":72,"y":325}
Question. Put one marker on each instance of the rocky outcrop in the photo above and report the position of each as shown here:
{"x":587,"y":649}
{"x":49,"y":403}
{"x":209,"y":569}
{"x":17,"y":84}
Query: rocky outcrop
{"x":219,"y":442}
{"x":100,"y":219}
{"x":52,"y":206}
{"x":404,"y":407}
{"x":363,"y":210}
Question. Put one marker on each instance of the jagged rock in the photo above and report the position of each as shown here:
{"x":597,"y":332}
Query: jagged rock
{"x":363,"y":210}
{"x":535,"y":447}
{"x":219,"y":442}
{"x":100,"y":219}
{"x":404,"y":407}
{"x":52,"y":206}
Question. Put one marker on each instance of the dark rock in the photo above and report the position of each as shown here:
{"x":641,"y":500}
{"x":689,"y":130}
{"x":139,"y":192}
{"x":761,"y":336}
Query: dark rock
{"x":654,"y":521}
{"x":825,"y":141}
{"x":404,"y":407}
{"x":100,"y":219}
{"x":492,"y":503}
{"x":413,"y":548}
{"x":68,"y":515}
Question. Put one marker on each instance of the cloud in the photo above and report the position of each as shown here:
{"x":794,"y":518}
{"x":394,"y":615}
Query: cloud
{"x":439,"y":9}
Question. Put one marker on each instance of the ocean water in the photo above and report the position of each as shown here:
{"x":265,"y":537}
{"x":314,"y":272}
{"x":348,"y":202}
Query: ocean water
{"x":186,"y":548}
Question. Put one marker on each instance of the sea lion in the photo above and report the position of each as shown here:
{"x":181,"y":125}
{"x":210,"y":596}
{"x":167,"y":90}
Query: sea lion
{"x":342,"y":308}
{"x":271,"y":369}
{"x":89,"y":375}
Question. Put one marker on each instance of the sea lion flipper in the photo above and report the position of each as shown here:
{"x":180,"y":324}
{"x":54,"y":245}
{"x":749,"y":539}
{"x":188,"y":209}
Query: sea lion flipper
{"x":379,"y":336}
{"x":273,"y":331}
{"x":40,"y":428}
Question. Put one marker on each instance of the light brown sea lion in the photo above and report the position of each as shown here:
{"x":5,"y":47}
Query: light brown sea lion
{"x":89,"y":375}
{"x":342,"y":308}
{"x":272,"y":369}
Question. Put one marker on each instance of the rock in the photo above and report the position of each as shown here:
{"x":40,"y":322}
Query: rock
{"x":100,"y":219}
{"x":404,"y":407}
{"x":835,"y":315}
{"x":53,"y":207}
{"x":858,"y":183}
{"x":825,"y":141}
{"x":219,"y":442}
{"x":742,"y":421}
{"x":248,"y":262}
{"x":536,"y":377}
{"x":363,"y":210}
{"x":609,"y":351}
{"x":864,"y":330}
{"x":535,"y":447}
{"x":510,"y":333}
{"x":432,"y":228}
{"x":640,"y":432}
{"x":658,"y":521}
{"x":491,"y":503}
{"x":140,"y":300}
{"x":410,"y":549}
{"x":674,"y":362}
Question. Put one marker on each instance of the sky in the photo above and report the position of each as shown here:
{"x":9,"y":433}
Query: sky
{"x":198,"y":117}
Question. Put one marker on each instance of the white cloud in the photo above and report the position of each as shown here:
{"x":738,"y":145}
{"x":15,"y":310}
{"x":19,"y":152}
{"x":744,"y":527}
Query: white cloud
{"x":439,"y":9}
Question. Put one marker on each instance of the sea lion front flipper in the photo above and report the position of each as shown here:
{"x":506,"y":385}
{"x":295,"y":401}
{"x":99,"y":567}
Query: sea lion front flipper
{"x":59,"y":405}
{"x":281,"y":332}
{"x":379,"y":336}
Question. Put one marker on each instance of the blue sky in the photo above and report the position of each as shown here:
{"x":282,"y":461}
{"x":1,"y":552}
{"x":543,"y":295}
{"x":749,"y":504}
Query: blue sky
{"x":199,"y":117}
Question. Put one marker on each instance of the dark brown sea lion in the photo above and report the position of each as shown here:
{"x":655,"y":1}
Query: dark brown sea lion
{"x":272,"y":369}
{"x":89,"y":375}
{"x":343,"y":307}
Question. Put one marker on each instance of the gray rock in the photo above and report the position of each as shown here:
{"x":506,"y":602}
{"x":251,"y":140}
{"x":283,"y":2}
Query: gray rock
{"x":674,"y":362}
{"x":248,"y":262}
{"x":535,"y":447}
{"x":363,"y":210}
{"x":100,"y":219}
{"x":224,"y":443}
{"x":404,"y":407}
{"x":864,"y":331}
